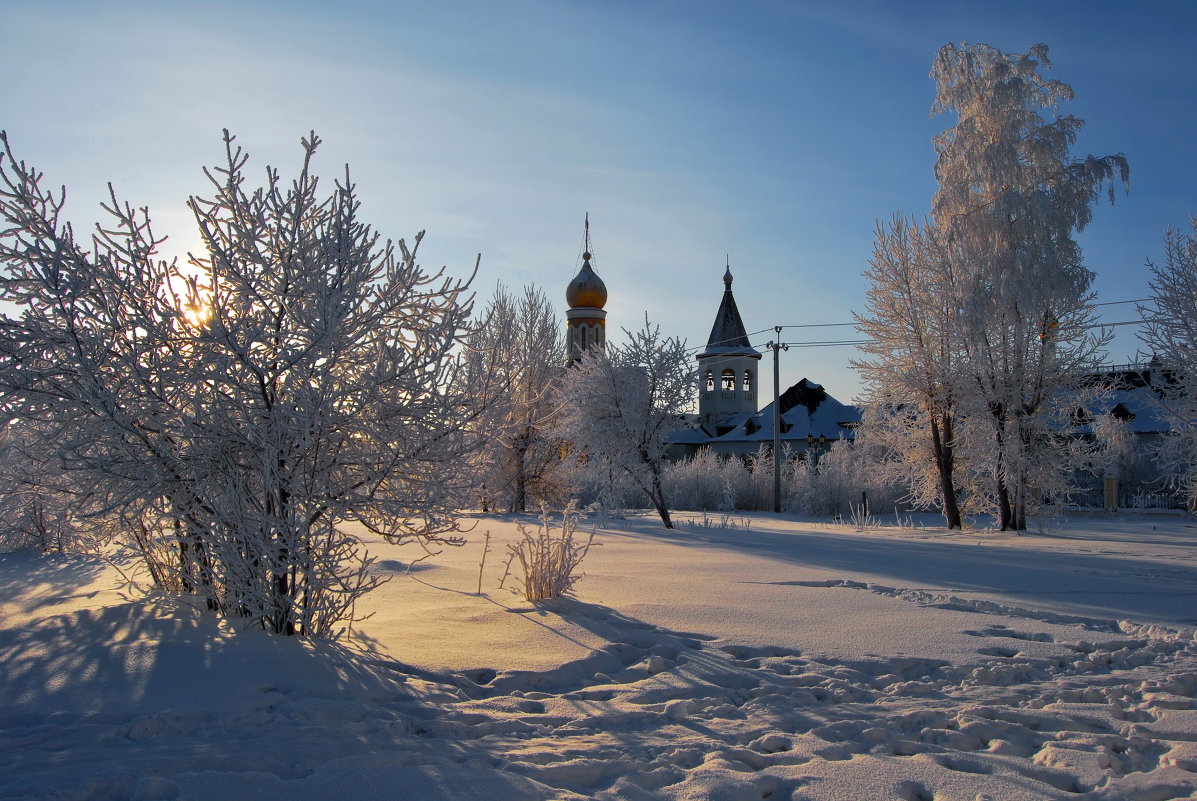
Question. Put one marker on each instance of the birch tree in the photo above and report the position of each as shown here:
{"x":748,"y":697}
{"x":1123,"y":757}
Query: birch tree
{"x":517,"y":346}
{"x":914,"y":358}
{"x":295,"y":376}
{"x":1010,"y":199}
{"x":618,"y":405}
{"x":1170,"y":334}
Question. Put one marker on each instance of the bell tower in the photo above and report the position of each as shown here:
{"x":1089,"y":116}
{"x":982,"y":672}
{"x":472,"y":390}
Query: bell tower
{"x":585,"y":320}
{"x":728,"y":367}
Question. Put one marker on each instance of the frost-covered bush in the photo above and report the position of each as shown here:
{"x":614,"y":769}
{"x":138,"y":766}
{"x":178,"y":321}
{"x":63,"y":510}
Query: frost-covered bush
{"x":604,"y":491}
{"x":301,"y":373}
{"x":707,"y":481}
{"x":834,"y":482}
{"x":821,"y":485}
{"x":841,"y":478}
{"x":41,"y":510}
{"x":756,"y":492}
{"x":548,"y":560}
{"x":800,"y":489}
{"x":696,"y":483}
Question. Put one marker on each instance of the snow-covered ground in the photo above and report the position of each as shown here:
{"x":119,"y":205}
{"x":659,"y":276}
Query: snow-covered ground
{"x":762,"y":659}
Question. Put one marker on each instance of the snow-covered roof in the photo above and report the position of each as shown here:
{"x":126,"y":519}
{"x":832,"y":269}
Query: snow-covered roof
{"x":1138,"y":407}
{"x":807,"y":409}
{"x":1132,"y":393}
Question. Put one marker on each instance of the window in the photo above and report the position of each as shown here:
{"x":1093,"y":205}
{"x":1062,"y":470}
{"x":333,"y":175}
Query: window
{"x":710,"y":381}
{"x":748,"y":381}
{"x":729,"y":379}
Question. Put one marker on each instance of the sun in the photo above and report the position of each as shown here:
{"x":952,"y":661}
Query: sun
{"x":197,"y":315}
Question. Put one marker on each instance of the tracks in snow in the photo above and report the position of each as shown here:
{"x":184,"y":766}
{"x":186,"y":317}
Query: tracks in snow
{"x":668,"y":714}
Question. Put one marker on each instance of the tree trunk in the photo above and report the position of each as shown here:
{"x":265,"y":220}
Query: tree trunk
{"x":1018,"y":505}
{"x":520,"y":503}
{"x":658,"y":498}
{"x":1005,"y":512}
{"x":945,"y":458}
{"x":1004,"y":506}
{"x":1021,"y":489}
{"x":284,"y":587}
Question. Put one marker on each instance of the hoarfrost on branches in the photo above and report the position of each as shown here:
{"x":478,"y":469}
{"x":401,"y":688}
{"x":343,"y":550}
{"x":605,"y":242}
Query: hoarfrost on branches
{"x":43,"y":509}
{"x":516,"y":350}
{"x":1010,"y":199}
{"x":1170,"y":333}
{"x":295,"y":375}
{"x":913,"y":358}
{"x":617,"y":406}
{"x":1014,"y":331}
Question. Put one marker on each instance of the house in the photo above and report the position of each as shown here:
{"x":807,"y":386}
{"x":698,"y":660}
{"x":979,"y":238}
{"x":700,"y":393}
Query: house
{"x":1131,"y":476}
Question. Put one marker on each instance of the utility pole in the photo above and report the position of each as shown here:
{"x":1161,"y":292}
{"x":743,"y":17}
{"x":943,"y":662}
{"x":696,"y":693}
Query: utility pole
{"x":776,"y":346}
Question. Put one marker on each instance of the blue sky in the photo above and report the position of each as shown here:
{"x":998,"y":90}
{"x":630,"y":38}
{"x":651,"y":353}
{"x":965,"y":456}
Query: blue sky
{"x":777,"y":133}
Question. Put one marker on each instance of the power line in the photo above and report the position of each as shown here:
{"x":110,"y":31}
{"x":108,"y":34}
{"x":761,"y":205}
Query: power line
{"x":829,"y":344}
{"x":814,"y":325}
{"x":857,"y":342}
{"x":696,"y":348}
{"x":1104,"y":303}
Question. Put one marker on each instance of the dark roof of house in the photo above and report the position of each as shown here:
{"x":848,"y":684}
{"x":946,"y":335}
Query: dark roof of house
{"x":804,"y":393}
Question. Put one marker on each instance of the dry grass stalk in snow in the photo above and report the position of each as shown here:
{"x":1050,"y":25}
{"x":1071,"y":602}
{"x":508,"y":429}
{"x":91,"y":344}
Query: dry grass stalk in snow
{"x":550,"y":561}
{"x":482,"y":563}
{"x":861,"y":519}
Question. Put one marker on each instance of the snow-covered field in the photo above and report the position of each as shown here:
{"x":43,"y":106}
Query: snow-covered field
{"x":775,"y":659}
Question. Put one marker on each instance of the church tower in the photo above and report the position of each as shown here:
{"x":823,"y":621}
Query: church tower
{"x":585,"y":321}
{"x":728,"y":366}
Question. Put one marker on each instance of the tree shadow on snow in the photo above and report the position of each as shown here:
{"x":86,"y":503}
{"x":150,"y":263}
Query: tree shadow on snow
{"x":159,"y":688}
{"x":160,"y":653}
{"x":34,"y":581}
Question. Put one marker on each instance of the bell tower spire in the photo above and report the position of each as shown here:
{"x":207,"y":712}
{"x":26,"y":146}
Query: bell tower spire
{"x":728,"y":364}
{"x":585,"y":320}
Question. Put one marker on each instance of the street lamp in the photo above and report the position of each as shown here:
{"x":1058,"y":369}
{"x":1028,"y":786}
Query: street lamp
{"x":810,"y":446}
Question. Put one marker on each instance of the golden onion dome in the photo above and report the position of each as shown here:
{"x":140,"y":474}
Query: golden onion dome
{"x":587,"y":290}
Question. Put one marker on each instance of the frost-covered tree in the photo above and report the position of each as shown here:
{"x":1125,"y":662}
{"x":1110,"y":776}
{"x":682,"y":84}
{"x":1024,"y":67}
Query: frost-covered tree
{"x":1114,"y":451}
{"x":913,"y":361}
{"x":1170,"y":327}
{"x":1170,"y":333}
{"x":295,"y":375}
{"x":1010,"y":200}
{"x":617,"y":406}
{"x":517,"y":347}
